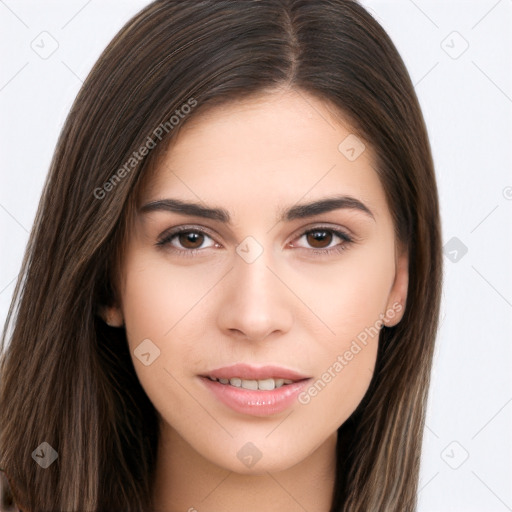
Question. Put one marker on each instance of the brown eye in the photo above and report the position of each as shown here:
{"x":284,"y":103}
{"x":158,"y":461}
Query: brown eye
{"x":319,"y":238}
{"x":191,"y":239}
{"x":323,"y":241}
{"x":186,"y":241}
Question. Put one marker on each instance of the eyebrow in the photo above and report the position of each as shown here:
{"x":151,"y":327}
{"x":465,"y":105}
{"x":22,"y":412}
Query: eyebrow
{"x":300,"y":211}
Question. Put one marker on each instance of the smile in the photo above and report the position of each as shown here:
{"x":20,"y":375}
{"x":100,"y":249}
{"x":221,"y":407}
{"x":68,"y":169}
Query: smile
{"x":255,"y":390}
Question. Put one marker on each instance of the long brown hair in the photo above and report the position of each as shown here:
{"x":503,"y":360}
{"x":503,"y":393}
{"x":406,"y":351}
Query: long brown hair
{"x":67,"y":378}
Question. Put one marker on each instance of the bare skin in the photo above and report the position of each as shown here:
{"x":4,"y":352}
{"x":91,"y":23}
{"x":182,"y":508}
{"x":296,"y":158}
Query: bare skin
{"x":295,"y":305}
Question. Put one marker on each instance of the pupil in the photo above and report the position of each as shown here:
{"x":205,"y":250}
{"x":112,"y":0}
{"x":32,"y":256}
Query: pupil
{"x":319,"y":236}
{"x":188,"y":239}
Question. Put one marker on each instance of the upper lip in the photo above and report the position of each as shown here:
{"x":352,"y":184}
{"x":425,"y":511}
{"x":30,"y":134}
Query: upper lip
{"x":248,"y":372}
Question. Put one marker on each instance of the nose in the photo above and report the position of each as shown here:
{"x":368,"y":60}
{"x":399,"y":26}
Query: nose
{"x":255,"y":301}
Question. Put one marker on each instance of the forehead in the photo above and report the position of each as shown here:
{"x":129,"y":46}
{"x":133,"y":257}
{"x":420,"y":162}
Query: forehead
{"x":273,"y":148}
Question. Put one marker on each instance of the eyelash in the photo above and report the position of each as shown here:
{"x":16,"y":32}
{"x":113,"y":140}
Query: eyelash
{"x":166,"y":239}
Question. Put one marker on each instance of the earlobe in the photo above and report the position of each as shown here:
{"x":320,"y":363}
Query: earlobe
{"x":398,"y":297}
{"x":112,"y":316}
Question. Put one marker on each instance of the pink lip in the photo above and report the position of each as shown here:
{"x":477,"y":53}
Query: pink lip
{"x":255,"y":403}
{"x":247,"y":372}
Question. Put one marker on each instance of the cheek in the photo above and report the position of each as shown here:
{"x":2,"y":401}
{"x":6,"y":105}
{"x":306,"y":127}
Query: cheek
{"x":165,"y":305}
{"x":157,"y":299}
{"x":343,"y":363}
{"x":350,"y":295}
{"x":350,"y":301}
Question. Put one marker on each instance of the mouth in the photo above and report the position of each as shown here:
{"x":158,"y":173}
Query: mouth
{"x":255,"y":391}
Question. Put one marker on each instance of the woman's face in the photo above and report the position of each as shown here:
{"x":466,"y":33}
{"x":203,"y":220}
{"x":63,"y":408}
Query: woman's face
{"x":283,"y":298}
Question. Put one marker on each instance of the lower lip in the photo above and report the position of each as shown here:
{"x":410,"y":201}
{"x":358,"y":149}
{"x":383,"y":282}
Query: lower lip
{"x":256,"y":403}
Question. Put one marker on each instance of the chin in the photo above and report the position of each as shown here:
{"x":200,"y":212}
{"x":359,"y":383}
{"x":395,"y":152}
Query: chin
{"x":269,"y":464}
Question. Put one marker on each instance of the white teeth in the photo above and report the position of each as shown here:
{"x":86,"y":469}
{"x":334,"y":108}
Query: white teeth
{"x":266,"y":385}
{"x":250,"y":384}
{"x":279,"y":382}
{"x":254,"y":385}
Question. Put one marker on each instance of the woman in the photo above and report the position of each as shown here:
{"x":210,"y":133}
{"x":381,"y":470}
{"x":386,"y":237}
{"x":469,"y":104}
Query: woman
{"x":230,"y":296}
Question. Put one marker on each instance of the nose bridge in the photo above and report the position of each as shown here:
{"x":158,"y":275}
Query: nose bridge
{"x":256,"y":303}
{"x":252,"y":269}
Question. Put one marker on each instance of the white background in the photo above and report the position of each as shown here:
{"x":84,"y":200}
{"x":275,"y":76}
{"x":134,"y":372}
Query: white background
{"x":466,"y":98}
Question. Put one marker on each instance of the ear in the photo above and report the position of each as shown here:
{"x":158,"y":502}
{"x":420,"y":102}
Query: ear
{"x":112,"y":316}
{"x":397,"y":299}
